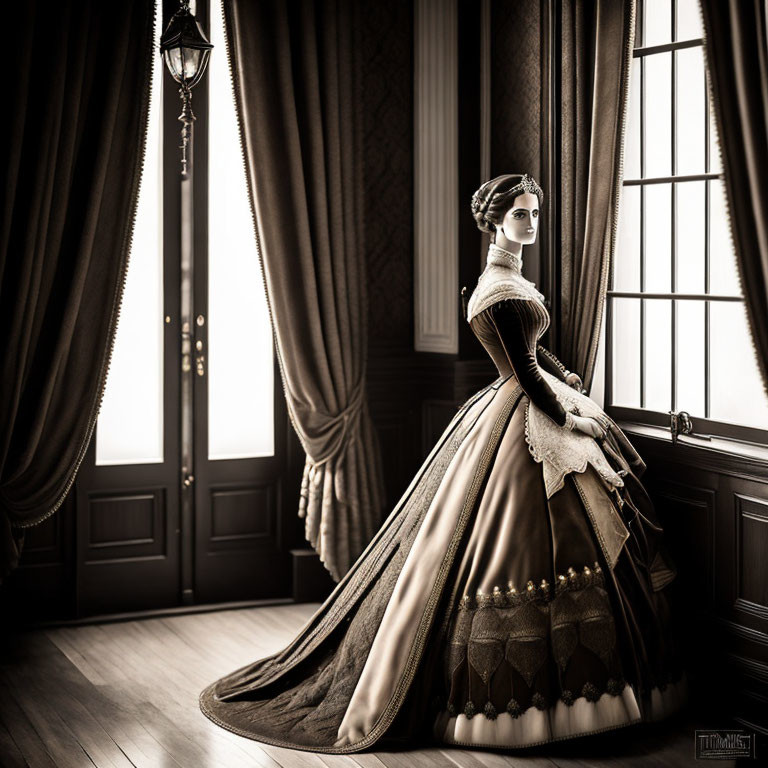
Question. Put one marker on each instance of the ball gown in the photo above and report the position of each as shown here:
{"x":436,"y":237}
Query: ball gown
{"x":518,"y":593}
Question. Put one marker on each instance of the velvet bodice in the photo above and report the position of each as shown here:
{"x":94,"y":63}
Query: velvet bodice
{"x":507,"y":314}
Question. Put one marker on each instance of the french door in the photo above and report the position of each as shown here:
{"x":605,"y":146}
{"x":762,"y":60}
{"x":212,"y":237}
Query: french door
{"x":179,"y":497}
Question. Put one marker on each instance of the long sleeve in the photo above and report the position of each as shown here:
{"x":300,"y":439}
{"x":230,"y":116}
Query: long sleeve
{"x":550,"y":363}
{"x":516,"y":327}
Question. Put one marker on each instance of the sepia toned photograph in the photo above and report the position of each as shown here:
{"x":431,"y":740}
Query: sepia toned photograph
{"x":384,"y":384}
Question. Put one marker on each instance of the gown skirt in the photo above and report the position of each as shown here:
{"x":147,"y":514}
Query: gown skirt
{"x":483,"y":612}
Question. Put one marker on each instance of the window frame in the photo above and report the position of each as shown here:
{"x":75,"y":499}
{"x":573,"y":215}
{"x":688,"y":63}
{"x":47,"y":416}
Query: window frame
{"x":703,"y":426}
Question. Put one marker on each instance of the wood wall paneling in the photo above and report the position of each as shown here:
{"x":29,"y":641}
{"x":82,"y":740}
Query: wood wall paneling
{"x":687,"y":514}
{"x":751,"y":539}
{"x":714,"y":510}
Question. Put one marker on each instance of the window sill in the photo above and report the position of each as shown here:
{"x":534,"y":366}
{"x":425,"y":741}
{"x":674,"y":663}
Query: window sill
{"x":736,"y":449}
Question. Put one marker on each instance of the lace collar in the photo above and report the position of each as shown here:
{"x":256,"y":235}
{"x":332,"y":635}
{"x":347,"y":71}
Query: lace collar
{"x":504,"y":258}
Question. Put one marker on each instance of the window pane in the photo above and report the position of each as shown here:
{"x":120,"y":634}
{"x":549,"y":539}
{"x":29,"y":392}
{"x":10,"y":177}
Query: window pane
{"x":691,"y":111}
{"x":722,"y":270}
{"x":625,"y":353}
{"x":130,"y":425}
{"x":658,"y":354}
{"x":240,"y":361}
{"x":737,"y":393}
{"x":691,"y":338}
{"x":597,"y":389}
{"x":688,"y":20}
{"x":657,"y":86}
{"x":658,"y":236}
{"x":690,"y":236}
{"x":632,"y":137}
{"x":626,"y":272}
{"x":657,"y":16}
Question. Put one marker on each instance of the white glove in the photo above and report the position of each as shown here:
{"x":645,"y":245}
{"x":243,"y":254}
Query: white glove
{"x":585,"y":424}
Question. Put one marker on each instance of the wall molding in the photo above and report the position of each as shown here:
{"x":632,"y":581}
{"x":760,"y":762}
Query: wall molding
{"x":436,"y":176}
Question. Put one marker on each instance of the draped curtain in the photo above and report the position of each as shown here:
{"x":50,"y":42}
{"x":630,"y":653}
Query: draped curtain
{"x":736,"y":50}
{"x":597,"y":41}
{"x":77,"y":99}
{"x":295,"y":76}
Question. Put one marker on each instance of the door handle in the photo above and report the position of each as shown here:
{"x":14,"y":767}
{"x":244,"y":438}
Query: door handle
{"x":200,"y":359}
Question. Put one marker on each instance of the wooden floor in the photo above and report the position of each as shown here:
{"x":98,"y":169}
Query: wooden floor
{"x":125,"y":694}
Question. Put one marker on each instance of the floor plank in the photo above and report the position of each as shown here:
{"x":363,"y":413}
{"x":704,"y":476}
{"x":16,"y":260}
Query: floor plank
{"x":25,"y":738}
{"x":124,"y":694}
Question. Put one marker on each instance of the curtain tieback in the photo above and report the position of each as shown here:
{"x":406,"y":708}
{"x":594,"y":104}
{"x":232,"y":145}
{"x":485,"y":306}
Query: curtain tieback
{"x":329,"y":439}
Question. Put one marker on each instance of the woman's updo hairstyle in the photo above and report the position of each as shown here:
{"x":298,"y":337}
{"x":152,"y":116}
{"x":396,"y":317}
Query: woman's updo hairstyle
{"x":494,"y":198}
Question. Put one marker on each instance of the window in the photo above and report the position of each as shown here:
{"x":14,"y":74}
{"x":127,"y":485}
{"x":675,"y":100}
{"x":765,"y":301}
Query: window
{"x":237,"y":359}
{"x":678,"y":338}
{"x":240,"y":371}
{"x":130,"y":426}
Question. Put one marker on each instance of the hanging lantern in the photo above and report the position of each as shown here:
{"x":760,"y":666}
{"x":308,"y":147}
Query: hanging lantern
{"x":185,"y":50}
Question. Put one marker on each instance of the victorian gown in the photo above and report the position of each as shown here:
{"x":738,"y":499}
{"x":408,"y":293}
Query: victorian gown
{"x":518,"y":593}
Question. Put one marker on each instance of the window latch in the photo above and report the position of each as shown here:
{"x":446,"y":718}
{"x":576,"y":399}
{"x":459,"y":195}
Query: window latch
{"x":680,"y":424}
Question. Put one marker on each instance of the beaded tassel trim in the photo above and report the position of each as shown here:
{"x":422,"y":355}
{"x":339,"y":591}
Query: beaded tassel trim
{"x":591,"y":692}
{"x":511,"y":596}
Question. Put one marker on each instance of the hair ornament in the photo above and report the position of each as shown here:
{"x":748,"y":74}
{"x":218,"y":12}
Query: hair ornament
{"x":528,"y":184}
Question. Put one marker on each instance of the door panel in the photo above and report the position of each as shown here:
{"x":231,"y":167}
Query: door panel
{"x":127,"y":537}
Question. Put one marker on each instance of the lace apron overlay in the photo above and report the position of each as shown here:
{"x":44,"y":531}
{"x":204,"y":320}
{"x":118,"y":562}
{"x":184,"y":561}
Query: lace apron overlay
{"x":561,"y":451}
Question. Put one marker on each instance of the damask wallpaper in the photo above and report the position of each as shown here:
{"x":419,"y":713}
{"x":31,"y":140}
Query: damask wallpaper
{"x":386,"y":39}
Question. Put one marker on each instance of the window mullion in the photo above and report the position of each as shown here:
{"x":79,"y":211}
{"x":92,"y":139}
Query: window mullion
{"x":642,"y":233}
{"x":707,"y":246}
{"x":673,"y":222}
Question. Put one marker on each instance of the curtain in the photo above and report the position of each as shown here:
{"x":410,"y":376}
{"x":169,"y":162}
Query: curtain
{"x":736,"y":50}
{"x":76,"y":108}
{"x":597,"y":41}
{"x":295,"y":75}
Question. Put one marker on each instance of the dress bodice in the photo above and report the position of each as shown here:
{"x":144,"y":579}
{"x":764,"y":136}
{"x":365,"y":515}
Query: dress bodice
{"x":508,"y":316}
{"x":503,"y":281}
{"x":534,"y":321}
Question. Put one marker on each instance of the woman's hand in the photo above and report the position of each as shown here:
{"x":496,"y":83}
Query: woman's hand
{"x":588,"y":426}
{"x":574,"y":380}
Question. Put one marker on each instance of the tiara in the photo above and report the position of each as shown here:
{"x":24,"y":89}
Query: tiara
{"x":526,"y":184}
{"x":529,"y":185}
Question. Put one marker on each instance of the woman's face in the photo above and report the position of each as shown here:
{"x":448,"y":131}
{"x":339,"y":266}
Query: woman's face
{"x":521,"y":221}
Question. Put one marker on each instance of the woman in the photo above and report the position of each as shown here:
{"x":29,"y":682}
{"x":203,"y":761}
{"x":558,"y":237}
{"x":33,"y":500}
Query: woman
{"x":517,"y":593}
